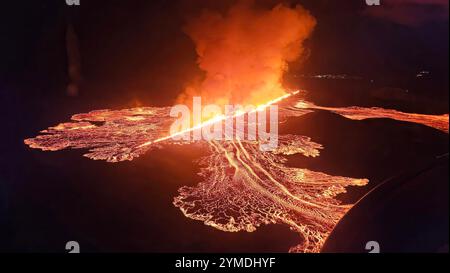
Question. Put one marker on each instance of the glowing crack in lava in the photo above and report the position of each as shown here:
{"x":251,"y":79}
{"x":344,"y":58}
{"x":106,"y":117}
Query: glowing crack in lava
{"x":242,"y":187}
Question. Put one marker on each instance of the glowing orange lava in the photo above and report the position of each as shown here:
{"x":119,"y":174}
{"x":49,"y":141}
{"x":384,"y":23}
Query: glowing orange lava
{"x":242,"y":187}
{"x":440,"y":122}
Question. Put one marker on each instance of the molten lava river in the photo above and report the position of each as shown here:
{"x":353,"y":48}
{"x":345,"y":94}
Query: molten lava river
{"x":242,"y":187}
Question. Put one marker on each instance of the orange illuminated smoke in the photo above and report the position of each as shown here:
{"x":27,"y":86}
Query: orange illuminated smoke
{"x":242,"y":187}
{"x":245,"y":50}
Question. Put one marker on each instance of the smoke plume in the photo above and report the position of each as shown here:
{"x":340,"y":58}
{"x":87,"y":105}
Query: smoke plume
{"x":245,"y":51}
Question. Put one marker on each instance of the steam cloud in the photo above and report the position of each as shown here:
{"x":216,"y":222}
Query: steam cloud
{"x":245,"y":52}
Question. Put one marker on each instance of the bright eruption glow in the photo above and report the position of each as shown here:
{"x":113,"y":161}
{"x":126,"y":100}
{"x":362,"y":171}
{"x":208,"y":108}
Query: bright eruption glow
{"x":242,"y":187}
{"x":220,"y":119}
{"x":245,"y":51}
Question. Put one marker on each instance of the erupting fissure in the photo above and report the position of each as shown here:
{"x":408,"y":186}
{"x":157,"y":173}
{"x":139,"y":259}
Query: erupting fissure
{"x":219,"y":119}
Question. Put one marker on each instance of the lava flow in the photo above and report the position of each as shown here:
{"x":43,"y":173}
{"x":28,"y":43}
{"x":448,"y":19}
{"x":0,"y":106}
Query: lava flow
{"x":440,"y":122}
{"x":242,"y":187}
